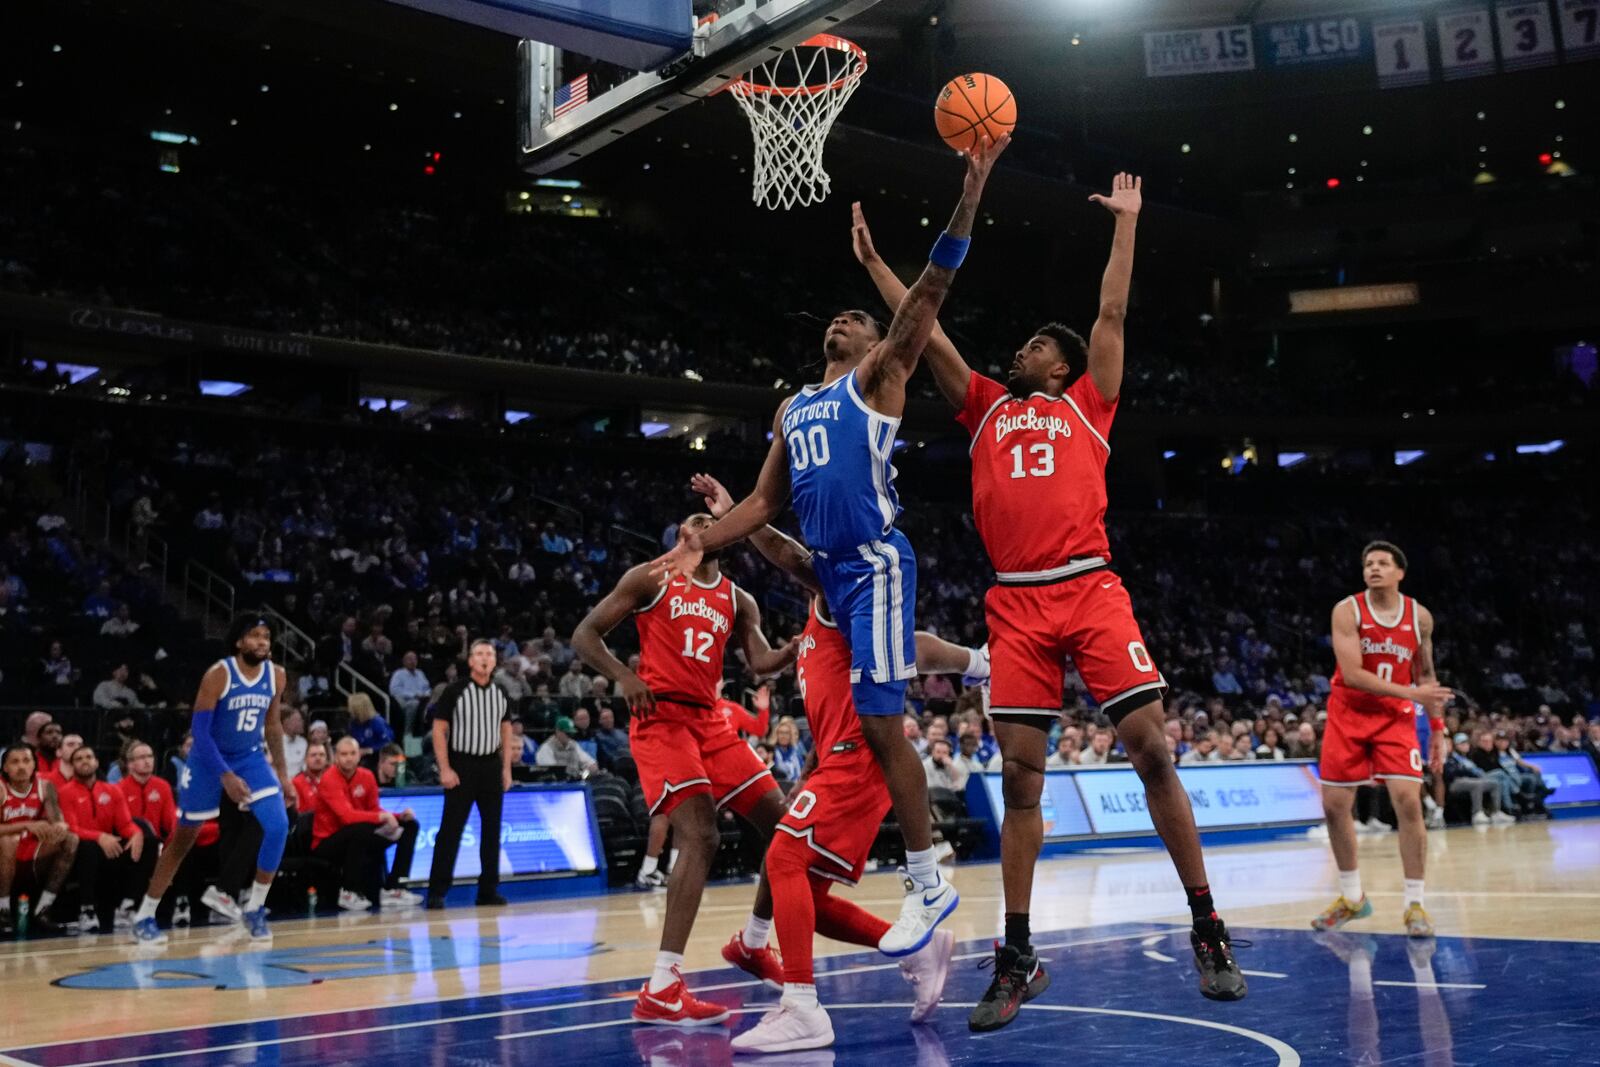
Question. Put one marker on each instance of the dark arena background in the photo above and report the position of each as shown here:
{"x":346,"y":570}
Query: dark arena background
{"x":390,"y":327}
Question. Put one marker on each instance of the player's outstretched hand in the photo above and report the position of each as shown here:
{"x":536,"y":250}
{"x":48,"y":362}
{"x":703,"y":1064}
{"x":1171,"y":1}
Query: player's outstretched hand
{"x":641,"y":702}
{"x":1434,"y":697}
{"x":682,"y":561}
{"x":1127,"y":195}
{"x":718,"y":500}
{"x":763,"y":699}
{"x":861,"y":237}
{"x":980,"y":161}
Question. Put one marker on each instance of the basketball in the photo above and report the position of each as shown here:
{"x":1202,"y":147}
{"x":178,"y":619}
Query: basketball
{"x":972,"y":106}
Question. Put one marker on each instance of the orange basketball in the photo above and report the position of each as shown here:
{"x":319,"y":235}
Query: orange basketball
{"x":973,"y":106}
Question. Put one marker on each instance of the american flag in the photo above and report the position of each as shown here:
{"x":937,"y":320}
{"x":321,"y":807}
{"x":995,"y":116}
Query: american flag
{"x":570,"y":95}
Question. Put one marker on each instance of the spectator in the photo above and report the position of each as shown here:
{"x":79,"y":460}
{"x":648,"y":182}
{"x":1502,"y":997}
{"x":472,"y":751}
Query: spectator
{"x":100,"y":604}
{"x":113,"y":693}
{"x":1223,"y":680}
{"x":57,"y":668}
{"x":521,"y":573}
{"x":611,"y":743}
{"x":121,"y":727}
{"x":305,"y":783}
{"x":409,"y":687}
{"x":113,"y":862}
{"x":1591,"y":741}
{"x":583,"y":735}
{"x":393,"y":770}
{"x":210,"y":517}
{"x":121,"y":624}
{"x":294,"y":741}
{"x":505,"y":645}
{"x":1304,"y":744}
{"x":1066,"y":753}
{"x":1488,"y":760}
{"x":36,"y":721}
{"x":788,"y":754}
{"x":378,"y":648}
{"x":913,"y":731}
{"x":525,"y":750}
{"x":942,"y":769}
{"x":1204,"y":750}
{"x":317,"y":733}
{"x":1235,"y":748}
{"x":574,"y":683}
{"x":938,"y":687}
{"x":1527,"y":780}
{"x":367,"y":726}
{"x":352,"y":832}
{"x":1271,"y":746}
{"x":967,"y":756}
{"x":1099,"y":751}
{"x":764,"y":750}
{"x":1464,"y":777}
{"x":47,"y":751}
{"x":560,"y":750}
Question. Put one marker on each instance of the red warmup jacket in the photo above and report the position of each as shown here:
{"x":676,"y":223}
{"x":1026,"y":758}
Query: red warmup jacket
{"x":743,"y":720}
{"x":305,"y":792}
{"x":342,"y":801}
{"x":100,"y":810}
{"x":152,"y":802}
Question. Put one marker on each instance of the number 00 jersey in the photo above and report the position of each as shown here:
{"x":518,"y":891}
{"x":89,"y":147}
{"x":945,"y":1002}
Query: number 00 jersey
{"x":683,"y":635}
{"x":1388,"y":649}
{"x":1039,"y":478}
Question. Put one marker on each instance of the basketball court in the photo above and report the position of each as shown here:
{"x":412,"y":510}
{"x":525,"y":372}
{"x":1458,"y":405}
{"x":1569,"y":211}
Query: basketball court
{"x":1512,"y":974}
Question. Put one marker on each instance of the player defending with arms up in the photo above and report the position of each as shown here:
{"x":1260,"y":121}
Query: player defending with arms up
{"x":236,"y":717}
{"x":1383,"y":641}
{"x":691,"y":762}
{"x":831,"y":446}
{"x":1039,"y":451}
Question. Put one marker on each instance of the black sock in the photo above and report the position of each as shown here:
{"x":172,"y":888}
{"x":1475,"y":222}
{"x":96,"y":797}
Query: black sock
{"x":1017,"y":932}
{"x":1200,"y":904}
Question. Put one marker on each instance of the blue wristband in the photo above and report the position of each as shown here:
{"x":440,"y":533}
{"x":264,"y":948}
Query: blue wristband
{"x":949,"y":252}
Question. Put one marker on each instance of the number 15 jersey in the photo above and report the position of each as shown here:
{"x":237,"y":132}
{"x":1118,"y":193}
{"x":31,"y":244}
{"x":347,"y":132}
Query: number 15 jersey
{"x":683,"y":636}
{"x":1039,"y":477}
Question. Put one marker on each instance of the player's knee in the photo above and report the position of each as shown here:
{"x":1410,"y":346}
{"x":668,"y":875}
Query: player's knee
{"x":1021,"y":785}
{"x":786,"y":856}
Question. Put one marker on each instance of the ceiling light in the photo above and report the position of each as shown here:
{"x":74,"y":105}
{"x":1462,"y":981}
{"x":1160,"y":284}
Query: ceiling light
{"x":394,"y":107}
{"x":1560,"y":104}
{"x":1481,"y":116}
{"x":1293,"y":137}
{"x":1367,"y":131}
{"x":1184,"y":148}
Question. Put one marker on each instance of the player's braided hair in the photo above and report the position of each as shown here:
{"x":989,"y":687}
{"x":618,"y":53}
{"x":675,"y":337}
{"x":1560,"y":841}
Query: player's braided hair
{"x":1073,"y":347}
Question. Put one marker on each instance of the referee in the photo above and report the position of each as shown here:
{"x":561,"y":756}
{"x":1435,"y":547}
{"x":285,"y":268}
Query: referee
{"x":472,"y":743}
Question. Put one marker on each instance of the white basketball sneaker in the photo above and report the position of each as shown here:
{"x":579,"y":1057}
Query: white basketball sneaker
{"x":788,"y":1029}
{"x":926,"y":971}
{"x":921,"y":911}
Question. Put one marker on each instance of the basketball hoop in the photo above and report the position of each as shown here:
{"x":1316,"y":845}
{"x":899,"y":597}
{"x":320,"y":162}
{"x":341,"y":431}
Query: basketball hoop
{"x":791,"y":102}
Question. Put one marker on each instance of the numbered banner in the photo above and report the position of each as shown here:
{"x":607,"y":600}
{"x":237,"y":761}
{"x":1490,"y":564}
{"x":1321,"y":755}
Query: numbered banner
{"x":1466,"y":43}
{"x":1527,"y":38}
{"x":1213,"y":50}
{"x":1400,"y":48}
{"x":1297,"y":42}
{"x":1580,"y":28}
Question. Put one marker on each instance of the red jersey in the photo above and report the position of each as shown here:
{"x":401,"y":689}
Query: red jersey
{"x":305,"y":792}
{"x":27,"y":806}
{"x":95,"y":809}
{"x":151,"y":801}
{"x":822,"y":674}
{"x":683,"y":635}
{"x":50,"y":768}
{"x":1388,"y":649}
{"x":342,"y":801}
{"x":1039,"y":477}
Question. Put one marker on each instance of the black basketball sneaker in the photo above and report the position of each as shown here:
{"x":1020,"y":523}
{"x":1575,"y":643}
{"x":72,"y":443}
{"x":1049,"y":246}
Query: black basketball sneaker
{"x":1018,"y":978}
{"x":1220,"y":977}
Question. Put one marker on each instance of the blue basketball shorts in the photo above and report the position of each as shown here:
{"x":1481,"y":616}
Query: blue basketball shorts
{"x":200,"y":791}
{"x":871,"y":592}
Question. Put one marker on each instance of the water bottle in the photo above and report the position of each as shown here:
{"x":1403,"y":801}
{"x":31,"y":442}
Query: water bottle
{"x":311,"y":900}
{"x":402,"y":775}
{"x":23,"y":908}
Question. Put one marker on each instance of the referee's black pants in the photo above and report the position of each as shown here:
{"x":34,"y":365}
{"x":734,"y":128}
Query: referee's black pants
{"x":481,"y":785}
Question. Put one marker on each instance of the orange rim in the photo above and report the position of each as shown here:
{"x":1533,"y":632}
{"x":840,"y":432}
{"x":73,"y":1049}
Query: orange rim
{"x":821,"y":40}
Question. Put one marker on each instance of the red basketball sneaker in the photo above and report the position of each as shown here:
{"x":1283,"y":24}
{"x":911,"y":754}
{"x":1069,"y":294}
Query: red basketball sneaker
{"x":674,"y":1006}
{"x":762,"y":963}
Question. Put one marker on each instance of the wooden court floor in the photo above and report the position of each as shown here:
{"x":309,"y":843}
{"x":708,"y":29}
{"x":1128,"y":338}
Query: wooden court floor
{"x":1535,"y":882}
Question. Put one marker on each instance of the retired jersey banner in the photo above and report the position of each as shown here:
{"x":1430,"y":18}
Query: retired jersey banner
{"x":1211,"y":50}
{"x":1580,"y":28}
{"x":1527,"y":37}
{"x":1400,"y":50}
{"x":1466,"y":43}
{"x":1300,"y":42}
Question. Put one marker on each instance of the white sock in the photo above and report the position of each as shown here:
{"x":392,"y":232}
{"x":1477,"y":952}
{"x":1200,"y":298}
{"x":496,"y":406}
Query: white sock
{"x":1350,"y":886}
{"x":1424,"y":977}
{"x":648,"y":866}
{"x":756,"y":931}
{"x":800,"y":996}
{"x":46,"y":899}
{"x":977,"y":664}
{"x":673,"y":856}
{"x":1414,"y":892}
{"x":1361,"y":975}
{"x":923,"y":867}
{"x":147,"y":909}
{"x":662,"y":976}
{"x":258,"y":896}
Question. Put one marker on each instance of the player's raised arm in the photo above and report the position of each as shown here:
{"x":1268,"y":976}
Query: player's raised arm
{"x":758,"y":652}
{"x":780,"y":550}
{"x":895,"y":357}
{"x":1105,"y":339}
{"x":950,"y":372}
{"x":744,"y":519}
{"x":635,"y":591}
{"x":1347,"y":650}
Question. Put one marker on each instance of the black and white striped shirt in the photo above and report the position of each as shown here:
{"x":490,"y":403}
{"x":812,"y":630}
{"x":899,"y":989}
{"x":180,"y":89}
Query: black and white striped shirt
{"x":474,"y":713}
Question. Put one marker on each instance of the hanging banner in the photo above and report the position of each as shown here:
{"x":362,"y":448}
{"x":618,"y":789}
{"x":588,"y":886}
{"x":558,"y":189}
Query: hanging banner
{"x":1466,"y":43}
{"x":1400,"y":50}
{"x":1527,"y":38}
{"x":1211,"y":50}
{"x":1580,"y":28}
{"x":1299,"y":42}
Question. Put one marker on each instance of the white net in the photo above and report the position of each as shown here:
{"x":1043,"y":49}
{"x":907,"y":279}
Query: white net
{"x":791,"y":102}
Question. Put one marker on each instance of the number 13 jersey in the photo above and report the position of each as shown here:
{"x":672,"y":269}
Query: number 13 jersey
{"x":1039,"y":477}
{"x":683,"y":635}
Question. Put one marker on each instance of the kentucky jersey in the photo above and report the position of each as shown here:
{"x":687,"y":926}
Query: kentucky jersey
{"x":839,"y":470}
{"x":238,"y":725}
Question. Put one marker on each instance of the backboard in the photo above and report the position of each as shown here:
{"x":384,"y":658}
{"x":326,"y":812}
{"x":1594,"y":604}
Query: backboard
{"x":570,"y":107}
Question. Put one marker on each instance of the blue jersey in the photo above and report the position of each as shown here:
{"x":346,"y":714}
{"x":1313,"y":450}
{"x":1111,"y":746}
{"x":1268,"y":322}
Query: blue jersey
{"x":238,"y":725}
{"x":839,"y":470}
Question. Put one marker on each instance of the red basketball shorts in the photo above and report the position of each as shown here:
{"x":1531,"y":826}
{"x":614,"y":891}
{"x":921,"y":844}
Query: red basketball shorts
{"x":27,"y":847}
{"x":1359,"y":746}
{"x":838,"y":813}
{"x":684,"y":752}
{"x":1034,"y":629}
